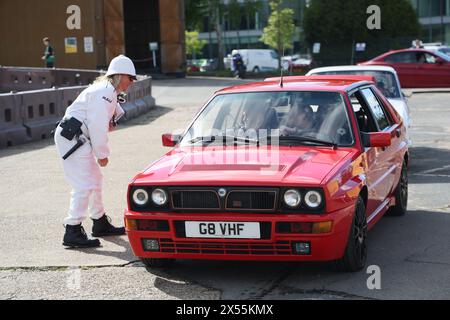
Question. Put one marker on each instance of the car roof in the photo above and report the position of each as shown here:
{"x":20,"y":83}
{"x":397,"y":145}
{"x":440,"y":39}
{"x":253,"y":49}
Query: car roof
{"x":407,"y":50}
{"x":336,"y":83}
{"x":353,"y":68}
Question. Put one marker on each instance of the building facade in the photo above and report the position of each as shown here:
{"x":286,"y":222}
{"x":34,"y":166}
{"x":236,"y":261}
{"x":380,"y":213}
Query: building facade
{"x":87,"y":34}
{"x":246,"y":29}
{"x":434,"y":16}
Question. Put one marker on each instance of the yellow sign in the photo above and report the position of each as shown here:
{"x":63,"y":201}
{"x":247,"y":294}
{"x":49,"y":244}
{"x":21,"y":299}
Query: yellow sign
{"x":71,"y":45}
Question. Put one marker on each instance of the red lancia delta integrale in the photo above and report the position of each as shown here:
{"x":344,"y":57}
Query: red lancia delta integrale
{"x":292,"y":169}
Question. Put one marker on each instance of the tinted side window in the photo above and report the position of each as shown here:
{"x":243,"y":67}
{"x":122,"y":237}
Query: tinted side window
{"x":376,"y":108}
{"x":403,"y":57}
{"x":274,"y":54}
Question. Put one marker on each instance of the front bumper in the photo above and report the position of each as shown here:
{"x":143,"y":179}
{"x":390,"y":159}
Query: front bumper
{"x":272,"y":247}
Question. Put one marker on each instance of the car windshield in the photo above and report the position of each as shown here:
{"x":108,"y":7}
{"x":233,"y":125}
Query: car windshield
{"x":314,"y":118}
{"x":444,"y":53}
{"x":385,"y":81}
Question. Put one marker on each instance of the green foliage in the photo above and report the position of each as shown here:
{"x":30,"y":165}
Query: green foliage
{"x":280,"y":29}
{"x":193,"y":44}
{"x":344,"y":21}
{"x":195,"y":10}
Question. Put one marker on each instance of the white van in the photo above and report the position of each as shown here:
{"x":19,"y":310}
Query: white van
{"x":257,"y":60}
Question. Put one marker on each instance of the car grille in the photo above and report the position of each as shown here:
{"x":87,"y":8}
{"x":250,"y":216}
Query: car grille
{"x":198,"y":199}
{"x":228,"y":248}
{"x":251,"y":200}
{"x":236,"y":199}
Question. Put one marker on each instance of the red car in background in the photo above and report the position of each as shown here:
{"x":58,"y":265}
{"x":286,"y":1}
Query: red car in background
{"x":297,"y":169}
{"x":417,"y":68}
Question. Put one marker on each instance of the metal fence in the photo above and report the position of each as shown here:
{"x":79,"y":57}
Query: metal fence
{"x":31,"y":115}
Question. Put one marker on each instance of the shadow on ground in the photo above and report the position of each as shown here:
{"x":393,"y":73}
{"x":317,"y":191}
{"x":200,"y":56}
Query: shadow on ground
{"x":396,"y":244}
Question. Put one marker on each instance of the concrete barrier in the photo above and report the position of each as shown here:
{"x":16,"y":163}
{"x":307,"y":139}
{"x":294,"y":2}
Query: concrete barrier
{"x":20,"y":79}
{"x":31,"y":115}
{"x":40,"y":112}
{"x":68,"y":97}
{"x":12,"y":132}
{"x":70,"y":77}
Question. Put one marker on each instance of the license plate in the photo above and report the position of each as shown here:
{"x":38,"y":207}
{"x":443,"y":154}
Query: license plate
{"x":230,"y":230}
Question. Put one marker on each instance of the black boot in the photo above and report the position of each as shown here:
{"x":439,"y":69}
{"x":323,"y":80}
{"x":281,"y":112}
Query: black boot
{"x":102,"y":227}
{"x":75,"y":237}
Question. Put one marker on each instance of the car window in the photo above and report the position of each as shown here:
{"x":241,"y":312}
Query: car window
{"x":376,"y":108}
{"x":385,"y":81}
{"x":363,"y":115}
{"x":320,"y":115}
{"x":425,"y":58}
{"x":402,"y":57}
{"x":274,"y":54}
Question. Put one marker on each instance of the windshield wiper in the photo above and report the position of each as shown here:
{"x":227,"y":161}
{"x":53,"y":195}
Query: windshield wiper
{"x":308,"y":140}
{"x":210,"y":139}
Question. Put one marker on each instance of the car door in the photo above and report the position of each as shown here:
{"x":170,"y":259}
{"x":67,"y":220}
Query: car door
{"x":389,"y":157}
{"x":373,"y":158}
{"x":405,"y":63}
{"x":433,"y":73}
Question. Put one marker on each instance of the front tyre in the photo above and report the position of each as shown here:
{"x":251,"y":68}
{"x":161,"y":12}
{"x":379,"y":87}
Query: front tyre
{"x":355,"y":255}
{"x":401,"y":195}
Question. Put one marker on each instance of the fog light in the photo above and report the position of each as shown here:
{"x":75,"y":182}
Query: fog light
{"x":302,"y":248}
{"x":150,"y":244}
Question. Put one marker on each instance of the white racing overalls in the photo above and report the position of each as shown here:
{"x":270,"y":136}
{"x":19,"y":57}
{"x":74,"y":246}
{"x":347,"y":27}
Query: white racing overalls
{"x":94,"y":107}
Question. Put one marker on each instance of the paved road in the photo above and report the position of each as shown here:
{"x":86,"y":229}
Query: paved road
{"x":413,"y":252}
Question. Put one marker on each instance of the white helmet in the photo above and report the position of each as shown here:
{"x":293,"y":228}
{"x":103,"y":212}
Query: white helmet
{"x":121,"y":65}
{"x":234,"y":52}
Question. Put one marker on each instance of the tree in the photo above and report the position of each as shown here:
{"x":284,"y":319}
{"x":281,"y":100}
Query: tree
{"x":215,"y":13}
{"x":280,"y":29}
{"x":234,"y":10}
{"x":338,"y":24}
{"x":195,"y":11}
{"x":193,"y":44}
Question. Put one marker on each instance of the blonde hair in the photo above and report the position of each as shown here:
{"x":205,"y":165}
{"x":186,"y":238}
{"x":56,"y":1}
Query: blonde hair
{"x":113,"y":79}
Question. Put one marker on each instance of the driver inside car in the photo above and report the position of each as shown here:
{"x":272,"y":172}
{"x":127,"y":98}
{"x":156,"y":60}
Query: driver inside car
{"x":299,"y":119}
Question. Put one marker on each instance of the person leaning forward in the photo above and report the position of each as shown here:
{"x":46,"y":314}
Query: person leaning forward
{"x":82,"y":143}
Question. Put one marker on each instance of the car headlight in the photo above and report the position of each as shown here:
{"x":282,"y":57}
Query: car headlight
{"x":292,"y":198}
{"x":140,"y":197}
{"x":313,"y":199}
{"x":159,"y":197}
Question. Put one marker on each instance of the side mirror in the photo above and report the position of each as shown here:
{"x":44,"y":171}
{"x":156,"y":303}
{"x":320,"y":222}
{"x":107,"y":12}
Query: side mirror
{"x":170,"y":140}
{"x":376,"y":139}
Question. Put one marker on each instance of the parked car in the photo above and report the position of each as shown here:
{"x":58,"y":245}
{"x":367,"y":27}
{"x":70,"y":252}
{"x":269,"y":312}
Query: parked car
{"x":208,"y":65}
{"x":259,"y":60}
{"x":437,"y":46}
{"x":417,"y":68}
{"x":274,"y":171}
{"x":386,"y":81}
{"x":299,"y":62}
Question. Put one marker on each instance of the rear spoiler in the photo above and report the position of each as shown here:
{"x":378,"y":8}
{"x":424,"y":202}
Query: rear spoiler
{"x":354,"y":78}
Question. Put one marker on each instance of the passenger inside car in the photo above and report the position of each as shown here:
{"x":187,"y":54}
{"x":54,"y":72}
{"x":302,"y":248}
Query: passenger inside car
{"x":299,"y":119}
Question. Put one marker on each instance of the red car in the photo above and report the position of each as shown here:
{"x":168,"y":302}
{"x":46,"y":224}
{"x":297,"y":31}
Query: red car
{"x":417,"y":68}
{"x":292,"y":170}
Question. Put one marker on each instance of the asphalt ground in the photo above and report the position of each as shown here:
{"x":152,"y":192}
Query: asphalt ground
{"x":411,"y":252}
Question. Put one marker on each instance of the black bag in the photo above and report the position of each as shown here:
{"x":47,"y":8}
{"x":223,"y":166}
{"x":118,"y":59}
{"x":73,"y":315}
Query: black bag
{"x":71,"y":128}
